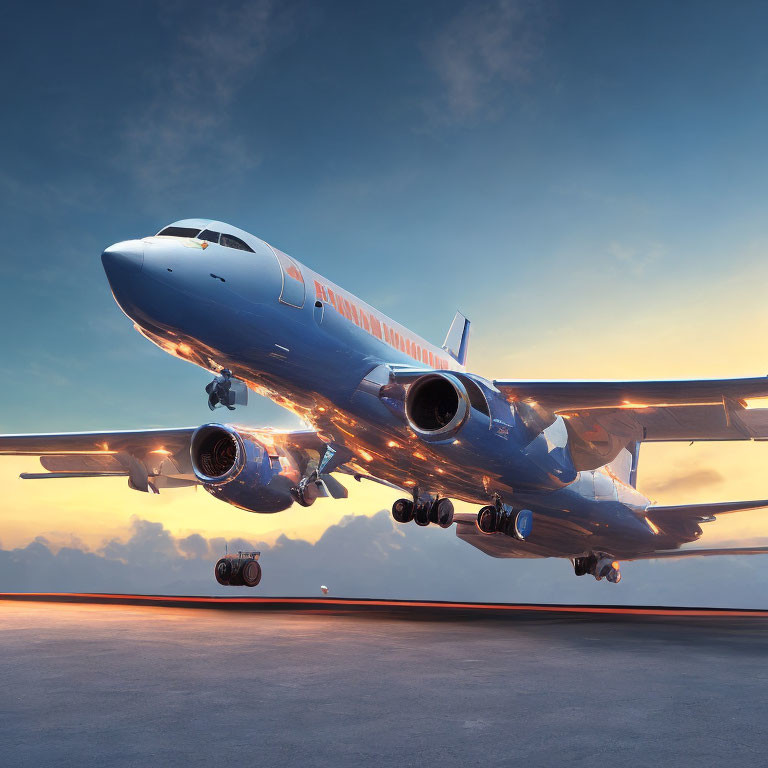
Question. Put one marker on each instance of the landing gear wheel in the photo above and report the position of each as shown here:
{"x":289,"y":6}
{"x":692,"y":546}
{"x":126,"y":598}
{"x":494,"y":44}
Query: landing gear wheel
{"x":223,"y":571}
{"x":442,"y":513}
{"x":251,"y":573}
{"x":421,"y":514}
{"x":305,"y":493}
{"x":402,"y":511}
{"x":487,"y":520}
{"x":580,"y":566}
{"x":523,"y":524}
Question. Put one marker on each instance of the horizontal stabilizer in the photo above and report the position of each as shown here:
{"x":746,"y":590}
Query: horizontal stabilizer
{"x":672,"y":553}
{"x":702,"y":511}
{"x":46,"y":475}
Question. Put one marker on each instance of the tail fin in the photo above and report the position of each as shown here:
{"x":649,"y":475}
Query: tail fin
{"x":456,"y":342}
{"x":624,"y":466}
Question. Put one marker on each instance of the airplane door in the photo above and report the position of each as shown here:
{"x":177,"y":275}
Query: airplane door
{"x":293,"y":290}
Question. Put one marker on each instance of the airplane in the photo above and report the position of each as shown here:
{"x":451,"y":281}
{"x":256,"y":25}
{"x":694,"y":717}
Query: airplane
{"x":552,"y":465}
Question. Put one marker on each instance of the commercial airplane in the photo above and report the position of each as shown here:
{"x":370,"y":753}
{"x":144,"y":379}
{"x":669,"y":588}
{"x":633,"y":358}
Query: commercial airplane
{"x":552,"y":465}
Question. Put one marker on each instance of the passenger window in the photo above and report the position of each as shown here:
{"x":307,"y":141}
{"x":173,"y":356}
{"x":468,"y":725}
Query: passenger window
{"x":178,"y":232}
{"x":209,"y":236}
{"x":230,"y":241}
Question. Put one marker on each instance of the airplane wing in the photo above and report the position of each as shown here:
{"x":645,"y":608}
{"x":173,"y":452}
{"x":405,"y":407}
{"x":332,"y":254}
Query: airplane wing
{"x":696,"y":409}
{"x":700,"y":512}
{"x":150,"y":458}
{"x":138,"y":441}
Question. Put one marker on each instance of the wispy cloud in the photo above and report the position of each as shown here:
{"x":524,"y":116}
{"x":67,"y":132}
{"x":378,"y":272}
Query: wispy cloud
{"x":186,"y":127}
{"x":637,"y":259}
{"x":483,"y":50}
{"x":691,"y":480}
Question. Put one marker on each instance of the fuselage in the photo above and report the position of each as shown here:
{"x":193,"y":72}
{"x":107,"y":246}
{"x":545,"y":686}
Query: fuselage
{"x":233,"y":301}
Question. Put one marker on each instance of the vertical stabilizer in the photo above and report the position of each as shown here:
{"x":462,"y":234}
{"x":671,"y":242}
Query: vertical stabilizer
{"x":624,"y":466}
{"x":457,"y":341}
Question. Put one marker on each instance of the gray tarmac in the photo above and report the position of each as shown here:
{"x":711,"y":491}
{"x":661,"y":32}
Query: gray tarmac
{"x":104,"y":685}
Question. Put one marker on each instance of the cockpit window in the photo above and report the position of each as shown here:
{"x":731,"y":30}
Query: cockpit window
{"x":209,"y":236}
{"x":178,"y":232}
{"x":230,"y":241}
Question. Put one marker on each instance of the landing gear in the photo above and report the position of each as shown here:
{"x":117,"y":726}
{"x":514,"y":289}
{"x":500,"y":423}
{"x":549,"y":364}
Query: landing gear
{"x":501,"y":518}
{"x":438,"y":512}
{"x":241,"y":570}
{"x":227,"y":391}
{"x":600,"y":565}
{"x":307,"y":491}
{"x":320,"y":482}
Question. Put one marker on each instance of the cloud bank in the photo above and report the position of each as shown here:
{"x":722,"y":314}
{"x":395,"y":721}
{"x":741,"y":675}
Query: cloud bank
{"x":372,"y":557}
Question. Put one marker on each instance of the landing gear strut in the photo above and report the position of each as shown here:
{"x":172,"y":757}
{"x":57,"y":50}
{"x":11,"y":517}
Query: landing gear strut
{"x":438,"y":512}
{"x":600,"y":565}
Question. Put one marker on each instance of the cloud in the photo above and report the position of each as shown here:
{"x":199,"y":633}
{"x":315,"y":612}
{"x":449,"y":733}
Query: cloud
{"x":637,"y":260}
{"x":372,"y":557}
{"x":187,"y":128}
{"x":484,"y":49}
{"x":692,"y":480}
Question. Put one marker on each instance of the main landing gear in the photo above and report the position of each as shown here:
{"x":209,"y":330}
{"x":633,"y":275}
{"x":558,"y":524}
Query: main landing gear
{"x":501,"y":518}
{"x":438,"y":512}
{"x":600,"y":565}
{"x":240,"y":570}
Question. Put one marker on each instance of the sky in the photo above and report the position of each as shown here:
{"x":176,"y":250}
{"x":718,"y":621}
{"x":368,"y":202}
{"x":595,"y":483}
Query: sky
{"x":586,"y":181}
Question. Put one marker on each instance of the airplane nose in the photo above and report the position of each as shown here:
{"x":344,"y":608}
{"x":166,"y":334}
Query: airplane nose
{"x":127,"y":256}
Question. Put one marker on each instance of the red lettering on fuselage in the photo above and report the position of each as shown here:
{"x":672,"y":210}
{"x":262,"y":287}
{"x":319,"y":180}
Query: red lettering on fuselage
{"x":380,"y":330}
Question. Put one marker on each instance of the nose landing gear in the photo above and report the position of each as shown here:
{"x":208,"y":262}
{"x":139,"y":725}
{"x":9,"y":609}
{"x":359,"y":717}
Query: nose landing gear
{"x":226,"y":391}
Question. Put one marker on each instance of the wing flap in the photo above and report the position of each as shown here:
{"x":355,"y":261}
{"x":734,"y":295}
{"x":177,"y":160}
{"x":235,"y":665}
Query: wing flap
{"x":78,"y":462}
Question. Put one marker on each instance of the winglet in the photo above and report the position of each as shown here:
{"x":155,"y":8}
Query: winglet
{"x":456,"y":342}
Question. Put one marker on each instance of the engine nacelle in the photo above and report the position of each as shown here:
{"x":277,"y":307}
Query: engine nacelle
{"x":235,"y":467}
{"x":470,"y":418}
{"x":438,"y":405}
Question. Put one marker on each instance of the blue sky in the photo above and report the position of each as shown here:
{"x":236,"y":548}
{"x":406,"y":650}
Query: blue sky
{"x":518,"y":160}
{"x":587,"y":181}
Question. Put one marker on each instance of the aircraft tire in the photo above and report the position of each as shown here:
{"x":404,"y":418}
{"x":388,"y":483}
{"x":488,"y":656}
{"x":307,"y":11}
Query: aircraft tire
{"x":223,"y":571}
{"x":402,"y":511}
{"x":251,"y":573}
{"x":487,"y":520}
{"x":442,"y":513}
{"x":421,"y":514}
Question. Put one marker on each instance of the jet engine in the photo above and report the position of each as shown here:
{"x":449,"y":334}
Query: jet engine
{"x":235,"y":467}
{"x":438,"y":405}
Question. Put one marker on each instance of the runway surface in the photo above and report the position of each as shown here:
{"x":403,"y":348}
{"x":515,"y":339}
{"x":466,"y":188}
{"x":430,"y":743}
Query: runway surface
{"x":137,"y":685}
